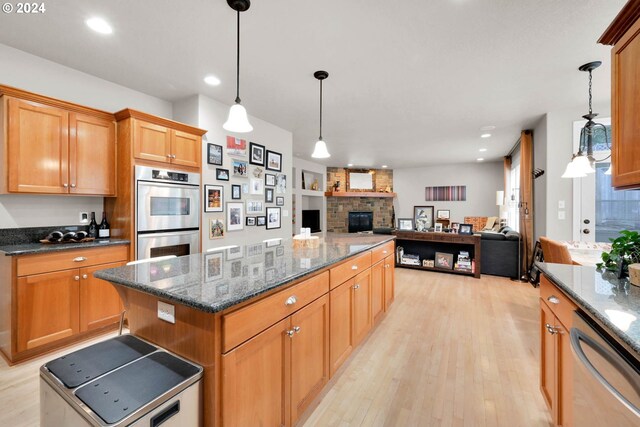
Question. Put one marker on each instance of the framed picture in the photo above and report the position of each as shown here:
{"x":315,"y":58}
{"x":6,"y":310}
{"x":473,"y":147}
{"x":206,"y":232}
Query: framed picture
{"x":465,"y":229}
{"x":236,"y":191}
{"x":273,"y":218}
{"x":423,"y":217}
{"x":279,"y":201}
{"x":236,"y":147}
{"x":281,"y":183}
{"x":437,"y":227}
{"x":256,"y":186}
{"x":455,"y":226}
{"x":405,"y":224}
{"x":222,"y":174}
{"x":261,"y":221}
{"x":274,"y":161}
{"x":443,"y":214}
{"x":245,"y":188}
{"x":239,"y":168}
{"x":268,"y":195}
{"x":213,"y":198}
{"x":214,"y":270}
{"x":251,"y":221}
{"x":256,"y":154}
{"x":216,"y":228}
{"x":235,"y":216}
{"x":214,"y":154}
{"x":235,"y":252}
{"x":444,"y":260}
{"x":257,"y":171}
{"x":254,"y":207}
{"x":269,"y":179}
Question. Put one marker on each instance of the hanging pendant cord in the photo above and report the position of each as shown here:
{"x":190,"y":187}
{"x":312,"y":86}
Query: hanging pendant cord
{"x":238,"y":63}
{"x":320,"y":109}
{"x":590,"y":110}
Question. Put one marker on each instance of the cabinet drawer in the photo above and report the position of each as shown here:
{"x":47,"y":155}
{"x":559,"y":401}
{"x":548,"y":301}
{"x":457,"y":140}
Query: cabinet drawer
{"x":350,"y":268}
{"x":240,"y":325}
{"x":557,"y":301}
{"x":63,"y":260}
{"x":381,"y":252}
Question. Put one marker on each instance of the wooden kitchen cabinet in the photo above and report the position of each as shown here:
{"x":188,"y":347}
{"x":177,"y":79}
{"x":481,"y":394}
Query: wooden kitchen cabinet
{"x":624,"y":35}
{"x":100,"y":304}
{"x":377,"y":291}
{"x":54,"y":147}
{"x":341,"y":336}
{"x":389,"y":281}
{"x":361,"y":315}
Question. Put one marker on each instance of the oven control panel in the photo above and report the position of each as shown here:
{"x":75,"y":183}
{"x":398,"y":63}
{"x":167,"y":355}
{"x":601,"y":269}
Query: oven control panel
{"x":169,"y":176}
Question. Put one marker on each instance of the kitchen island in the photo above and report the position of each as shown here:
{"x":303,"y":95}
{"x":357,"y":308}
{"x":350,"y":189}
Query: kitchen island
{"x":268,"y":323}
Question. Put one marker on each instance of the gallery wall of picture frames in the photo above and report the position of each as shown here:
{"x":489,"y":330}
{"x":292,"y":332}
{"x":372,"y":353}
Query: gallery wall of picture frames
{"x":248,"y":190}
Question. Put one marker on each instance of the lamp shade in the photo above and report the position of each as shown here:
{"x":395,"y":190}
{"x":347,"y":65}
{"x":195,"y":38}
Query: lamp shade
{"x":237,"y":120}
{"x":573,"y":172}
{"x":583,"y":164}
{"x":320,"y":151}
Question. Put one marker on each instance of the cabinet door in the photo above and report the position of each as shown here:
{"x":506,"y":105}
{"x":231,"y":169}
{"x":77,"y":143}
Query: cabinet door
{"x":377,"y":290}
{"x":255,"y":378}
{"x":38,"y":148}
{"x":564,"y":376}
{"x":340,"y":338}
{"x":548,"y":359}
{"x":100,"y":303}
{"x":389,"y":281}
{"x":186,"y":149}
{"x":309,"y":354}
{"x":47,"y":308}
{"x":625,"y":104}
{"x":151,"y":142}
{"x":362,"y":319}
{"x":92,"y":155}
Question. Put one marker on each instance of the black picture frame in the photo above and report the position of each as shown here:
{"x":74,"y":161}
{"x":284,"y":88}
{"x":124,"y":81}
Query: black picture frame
{"x":268,"y":195}
{"x":273,"y":161}
{"x":465,"y":229}
{"x":443,"y":260}
{"x":423,"y":218}
{"x":269,"y":179}
{"x":236,"y":191}
{"x":222,"y":174}
{"x":261,"y":221}
{"x":251,"y":221}
{"x":215,"y":154}
{"x":274,"y":218}
{"x":406,"y":224}
{"x":257,"y":149}
{"x":279,"y":201}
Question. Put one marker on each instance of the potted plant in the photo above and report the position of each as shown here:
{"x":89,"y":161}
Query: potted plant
{"x":625,"y":250}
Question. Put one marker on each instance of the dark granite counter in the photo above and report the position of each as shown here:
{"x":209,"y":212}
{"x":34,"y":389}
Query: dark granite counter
{"x":41,"y":248}
{"x":217,"y":280}
{"x":614,"y":302}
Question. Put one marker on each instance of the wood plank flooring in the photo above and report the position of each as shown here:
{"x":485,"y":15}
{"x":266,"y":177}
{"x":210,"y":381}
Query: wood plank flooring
{"x":452,"y":351}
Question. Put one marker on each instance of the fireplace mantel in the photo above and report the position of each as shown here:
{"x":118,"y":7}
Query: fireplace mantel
{"x":358,"y":194}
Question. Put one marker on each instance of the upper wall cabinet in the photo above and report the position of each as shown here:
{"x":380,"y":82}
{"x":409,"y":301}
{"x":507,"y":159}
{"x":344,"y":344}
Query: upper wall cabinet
{"x":54,"y":147}
{"x":624,"y":35}
{"x":164,"y":141}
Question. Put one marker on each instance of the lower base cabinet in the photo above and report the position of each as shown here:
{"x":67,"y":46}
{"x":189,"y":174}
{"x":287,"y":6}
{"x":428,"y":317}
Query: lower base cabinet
{"x":100,"y":303}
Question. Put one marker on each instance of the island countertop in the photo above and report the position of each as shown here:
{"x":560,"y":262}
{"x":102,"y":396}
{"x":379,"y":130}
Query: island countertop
{"x":614,"y":302}
{"x":216,"y":280}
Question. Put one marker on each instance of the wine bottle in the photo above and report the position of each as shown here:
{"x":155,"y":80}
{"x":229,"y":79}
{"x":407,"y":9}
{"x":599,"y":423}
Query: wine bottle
{"x":93,"y":226}
{"x":104,"y":228}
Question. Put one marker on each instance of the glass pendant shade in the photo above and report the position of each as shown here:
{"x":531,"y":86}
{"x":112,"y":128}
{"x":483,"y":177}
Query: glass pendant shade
{"x":237,"y":120}
{"x":572,"y":171}
{"x":320,"y":151}
{"x":583,"y":164}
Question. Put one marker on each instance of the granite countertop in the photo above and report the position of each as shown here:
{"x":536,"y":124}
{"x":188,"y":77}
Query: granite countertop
{"x":214,"y":281}
{"x":42,"y":248}
{"x":614,"y":302}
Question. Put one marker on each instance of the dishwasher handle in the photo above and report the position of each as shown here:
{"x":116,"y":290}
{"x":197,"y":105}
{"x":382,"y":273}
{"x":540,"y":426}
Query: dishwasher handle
{"x":576,"y":335}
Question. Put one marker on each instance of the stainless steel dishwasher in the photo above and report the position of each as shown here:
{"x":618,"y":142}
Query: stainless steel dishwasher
{"x":606,"y":379}
{"x":123,"y":381}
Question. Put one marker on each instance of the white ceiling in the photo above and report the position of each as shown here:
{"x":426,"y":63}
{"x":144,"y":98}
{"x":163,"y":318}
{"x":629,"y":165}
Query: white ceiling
{"x":410,"y":83}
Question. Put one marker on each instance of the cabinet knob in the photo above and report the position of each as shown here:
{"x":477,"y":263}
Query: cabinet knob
{"x":173,"y":156}
{"x":356,"y":287}
{"x":65,"y":185}
{"x":169,"y":156}
{"x":291,"y":300}
{"x":84,"y":276}
{"x":354,"y":267}
{"x":76,"y":277}
{"x":550,"y":329}
{"x":553,"y":299}
{"x":73,"y":186}
{"x":290,"y":333}
{"x":384,"y":252}
{"x":79,"y":259}
{"x":296,"y":329}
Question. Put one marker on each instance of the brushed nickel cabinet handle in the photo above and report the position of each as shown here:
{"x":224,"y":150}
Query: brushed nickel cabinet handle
{"x":84,"y":276}
{"x":296,"y":329}
{"x":291,"y":300}
{"x":73,"y":186}
{"x":553,"y":299}
{"x":551,"y":329}
{"x":290,"y":333}
{"x":356,"y":287}
{"x":79,"y":259}
{"x":384,"y":252}
{"x":354,"y":267}
{"x":76,"y":278}
{"x":65,"y":185}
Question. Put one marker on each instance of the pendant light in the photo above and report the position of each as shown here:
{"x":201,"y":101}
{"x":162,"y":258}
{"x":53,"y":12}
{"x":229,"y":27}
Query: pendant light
{"x":582,"y":163}
{"x":320,"y":151}
{"x":238,"y":120}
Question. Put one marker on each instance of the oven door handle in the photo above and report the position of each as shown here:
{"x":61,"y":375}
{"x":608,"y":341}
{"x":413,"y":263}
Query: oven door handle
{"x":576,"y":335}
{"x":154,"y":234}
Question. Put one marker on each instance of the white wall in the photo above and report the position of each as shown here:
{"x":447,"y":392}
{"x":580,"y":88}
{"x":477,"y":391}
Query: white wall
{"x":307,"y":199}
{"x":212,"y":114}
{"x":25,"y":71}
{"x":540,"y":184}
{"x":482,"y":181}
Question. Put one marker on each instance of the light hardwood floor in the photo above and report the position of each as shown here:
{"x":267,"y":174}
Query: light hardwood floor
{"x":452,"y":351}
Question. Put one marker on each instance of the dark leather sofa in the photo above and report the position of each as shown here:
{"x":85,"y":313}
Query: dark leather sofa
{"x":499,"y":252}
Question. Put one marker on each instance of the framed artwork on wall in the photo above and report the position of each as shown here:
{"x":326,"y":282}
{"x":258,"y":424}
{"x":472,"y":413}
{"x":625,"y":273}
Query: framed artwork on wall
{"x":423,"y":217}
{"x":236,"y":191}
{"x":213,"y":198}
{"x":235,"y":216}
{"x":239,"y":168}
{"x":261,"y":221}
{"x":251,"y":220}
{"x":214,"y":154}
{"x":256,"y":186}
{"x":222,"y":174}
{"x":274,"y":161}
{"x":236,"y":147}
{"x":443,"y":214}
{"x":256,"y":154}
{"x":268,"y":195}
{"x":269,"y":179}
{"x":216,"y":228}
{"x":279,"y":201}
{"x":273,"y":218}
{"x":254,"y":207}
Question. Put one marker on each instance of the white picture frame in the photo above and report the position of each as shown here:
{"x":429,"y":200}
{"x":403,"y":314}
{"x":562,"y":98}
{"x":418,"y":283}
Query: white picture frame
{"x":235,"y":216}
{"x":254,"y":207}
{"x":256,"y":186}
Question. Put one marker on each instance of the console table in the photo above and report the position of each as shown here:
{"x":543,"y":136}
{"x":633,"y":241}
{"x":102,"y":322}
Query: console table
{"x":426,"y":244}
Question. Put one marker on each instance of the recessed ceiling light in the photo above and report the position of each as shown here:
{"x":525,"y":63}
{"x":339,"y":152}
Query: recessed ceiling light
{"x":384,"y":166}
{"x":482,"y":150}
{"x":349,"y":164}
{"x":212,"y":80}
{"x":485,"y":135}
{"x":99,"y":25}
{"x":486,"y":128}
{"x":480,"y":159}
